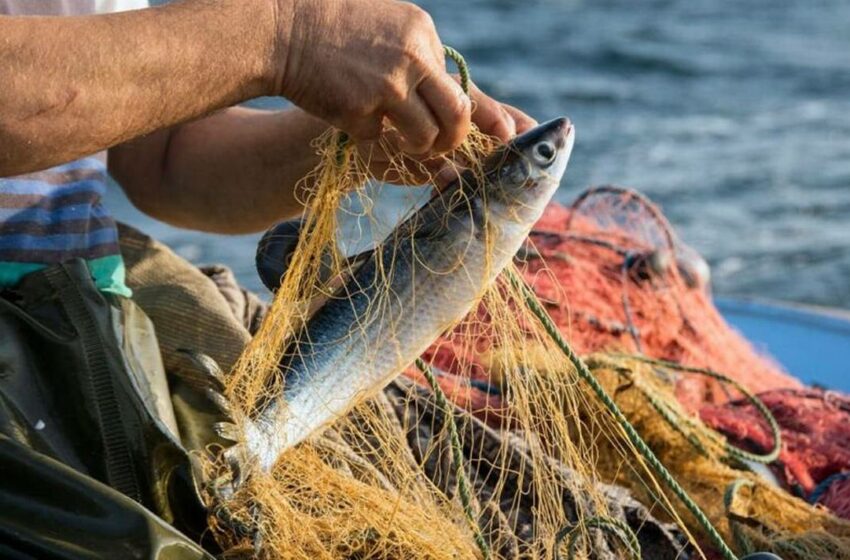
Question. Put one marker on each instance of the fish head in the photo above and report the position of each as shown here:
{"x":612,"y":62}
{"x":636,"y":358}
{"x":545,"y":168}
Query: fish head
{"x":524,"y":174}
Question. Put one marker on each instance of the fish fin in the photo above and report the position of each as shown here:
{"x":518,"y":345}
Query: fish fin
{"x":202,"y":371}
{"x":228,"y":431}
{"x":219,"y":401}
{"x":278,"y":244}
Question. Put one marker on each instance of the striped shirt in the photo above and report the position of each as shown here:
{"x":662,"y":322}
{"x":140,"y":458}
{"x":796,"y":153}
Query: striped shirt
{"x":55,"y":215}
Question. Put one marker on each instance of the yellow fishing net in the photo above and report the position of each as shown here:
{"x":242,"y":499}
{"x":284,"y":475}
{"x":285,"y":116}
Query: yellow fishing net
{"x":359,"y":490}
{"x":748,"y":510}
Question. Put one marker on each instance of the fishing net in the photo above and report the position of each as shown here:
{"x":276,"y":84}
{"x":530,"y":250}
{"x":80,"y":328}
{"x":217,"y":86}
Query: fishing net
{"x":630,"y":284}
{"x":815,"y":460}
{"x":597,"y":269}
{"x":750,"y":511}
{"x":406,"y":474}
{"x":614,"y":276}
{"x":363,"y":491}
{"x":319,"y":500}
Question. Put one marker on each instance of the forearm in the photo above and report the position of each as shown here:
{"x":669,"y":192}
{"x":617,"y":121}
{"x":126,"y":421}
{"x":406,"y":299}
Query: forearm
{"x":232,"y":172}
{"x":72,"y":86}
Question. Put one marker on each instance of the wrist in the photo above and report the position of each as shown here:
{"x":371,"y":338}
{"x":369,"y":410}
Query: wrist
{"x":279,"y":41}
{"x":260,"y":21}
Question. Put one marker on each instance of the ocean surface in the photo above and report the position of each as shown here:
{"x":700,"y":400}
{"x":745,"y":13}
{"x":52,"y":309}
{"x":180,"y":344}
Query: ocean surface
{"x":733,"y":115}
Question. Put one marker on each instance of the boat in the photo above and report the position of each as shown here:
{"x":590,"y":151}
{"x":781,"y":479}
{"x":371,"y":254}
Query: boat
{"x":810,"y":342}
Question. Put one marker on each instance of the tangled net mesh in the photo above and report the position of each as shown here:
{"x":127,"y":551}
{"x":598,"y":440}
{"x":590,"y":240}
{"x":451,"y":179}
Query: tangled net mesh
{"x":626,"y":292}
{"x":357,"y":490}
{"x":617,"y":282}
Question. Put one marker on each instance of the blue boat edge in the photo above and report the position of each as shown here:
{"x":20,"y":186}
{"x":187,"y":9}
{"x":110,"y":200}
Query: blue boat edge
{"x":812,"y":343}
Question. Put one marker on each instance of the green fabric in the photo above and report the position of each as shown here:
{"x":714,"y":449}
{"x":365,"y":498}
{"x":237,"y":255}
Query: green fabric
{"x":108,"y":274}
{"x":90,"y":463}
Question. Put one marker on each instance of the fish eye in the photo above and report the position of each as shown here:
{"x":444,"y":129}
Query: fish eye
{"x":544,"y":152}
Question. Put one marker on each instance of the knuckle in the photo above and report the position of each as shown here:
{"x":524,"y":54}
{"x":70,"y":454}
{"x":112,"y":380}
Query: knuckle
{"x":419,"y":18}
{"x":459,"y":110}
{"x":419,"y":35}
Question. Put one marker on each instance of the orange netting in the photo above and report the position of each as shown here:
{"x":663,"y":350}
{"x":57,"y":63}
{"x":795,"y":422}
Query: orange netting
{"x":614,"y":276}
{"x":815,"y":459}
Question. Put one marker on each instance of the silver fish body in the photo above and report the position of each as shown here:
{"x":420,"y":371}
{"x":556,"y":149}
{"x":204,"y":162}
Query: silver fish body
{"x":423,"y":279}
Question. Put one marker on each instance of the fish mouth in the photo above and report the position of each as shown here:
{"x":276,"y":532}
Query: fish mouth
{"x":557,"y":131}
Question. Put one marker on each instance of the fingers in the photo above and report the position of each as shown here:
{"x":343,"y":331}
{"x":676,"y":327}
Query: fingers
{"x":522,"y":122}
{"x":451,"y":112}
{"x":490,"y":117}
{"x":434,"y":116}
{"x":452,"y":109}
{"x":434,"y":119}
{"x":418,"y":127}
{"x":498,"y":119}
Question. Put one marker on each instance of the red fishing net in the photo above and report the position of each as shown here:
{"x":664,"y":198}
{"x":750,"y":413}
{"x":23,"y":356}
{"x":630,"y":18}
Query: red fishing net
{"x":815,"y":458}
{"x":614,"y":277}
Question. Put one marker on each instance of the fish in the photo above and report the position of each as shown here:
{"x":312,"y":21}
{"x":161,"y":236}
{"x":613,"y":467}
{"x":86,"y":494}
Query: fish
{"x":408,"y":290}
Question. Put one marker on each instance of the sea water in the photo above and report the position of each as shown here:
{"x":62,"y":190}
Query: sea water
{"x":733,"y":115}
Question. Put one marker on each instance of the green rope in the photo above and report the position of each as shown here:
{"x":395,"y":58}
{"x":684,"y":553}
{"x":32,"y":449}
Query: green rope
{"x":462,"y":67}
{"x":733,"y":451}
{"x":619,"y":528}
{"x":457,"y":457}
{"x":632,"y":434}
{"x":673,"y":419}
{"x":442,"y":403}
{"x":584,"y":372}
{"x":744,"y":543}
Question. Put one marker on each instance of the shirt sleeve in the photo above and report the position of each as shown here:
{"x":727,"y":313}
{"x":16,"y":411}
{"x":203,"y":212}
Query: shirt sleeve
{"x":70,"y":7}
{"x":109,"y":6}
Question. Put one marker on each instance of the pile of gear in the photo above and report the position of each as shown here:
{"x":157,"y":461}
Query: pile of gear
{"x":494,"y":449}
{"x":635,"y":300}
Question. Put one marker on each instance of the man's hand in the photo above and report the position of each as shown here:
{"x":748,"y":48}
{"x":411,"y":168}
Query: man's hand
{"x":355,"y":63}
{"x":495,"y":119}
